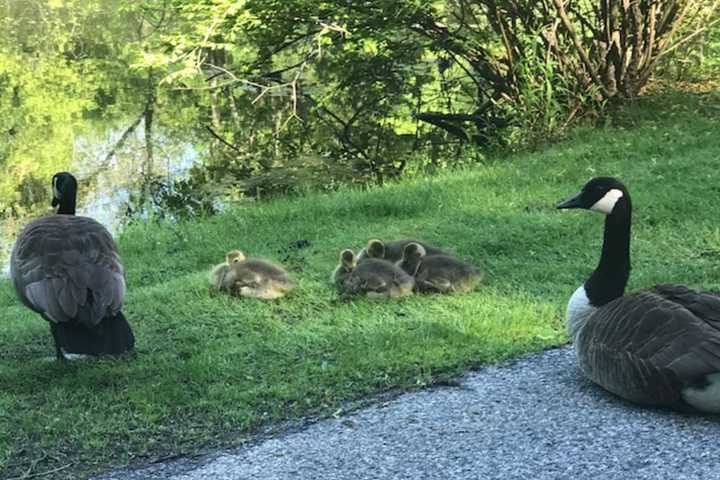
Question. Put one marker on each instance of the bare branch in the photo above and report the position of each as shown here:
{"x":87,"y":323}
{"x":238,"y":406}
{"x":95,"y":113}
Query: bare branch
{"x":42,"y":474}
{"x":221,"y":139}
{"x":123,"y":138}
{"x":579,"y":47}
{"x":689,"y":37}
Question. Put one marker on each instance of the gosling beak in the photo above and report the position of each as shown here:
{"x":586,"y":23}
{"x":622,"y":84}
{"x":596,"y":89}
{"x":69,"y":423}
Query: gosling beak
{"x":572,"y":202}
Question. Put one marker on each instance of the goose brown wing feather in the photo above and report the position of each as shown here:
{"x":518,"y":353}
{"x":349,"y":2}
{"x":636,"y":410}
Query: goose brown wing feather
{"x":704,"y":305}
{"x":648,"y":345}
{"x":67,"y":268}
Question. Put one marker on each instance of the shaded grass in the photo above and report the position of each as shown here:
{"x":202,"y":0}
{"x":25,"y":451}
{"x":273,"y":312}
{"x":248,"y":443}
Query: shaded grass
{"x":209,"y":367}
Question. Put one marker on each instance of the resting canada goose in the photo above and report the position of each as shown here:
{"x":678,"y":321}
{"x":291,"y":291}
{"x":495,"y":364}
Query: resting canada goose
{"x":393,"y":251}
{"x":438,"y":273}
{"x":659,"y":346}
{"x":67,"y":269}
{"x":251,"y":277}
{"x":374,"y":277}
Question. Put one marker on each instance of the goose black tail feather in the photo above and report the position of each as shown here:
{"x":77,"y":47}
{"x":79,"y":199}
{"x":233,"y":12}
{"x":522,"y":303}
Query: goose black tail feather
{"x":112,"y":336}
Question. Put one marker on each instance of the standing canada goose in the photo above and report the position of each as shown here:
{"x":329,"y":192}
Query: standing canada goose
{"x":438,"y":273}
{"x":67,"y":269}
{"x":374,"y":277}
{"x":251,"y":278}
{"x":393,"y":251}
{"x":659,"y":346}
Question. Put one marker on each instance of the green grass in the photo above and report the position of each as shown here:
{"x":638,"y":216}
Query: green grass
{"x":210,"y":368}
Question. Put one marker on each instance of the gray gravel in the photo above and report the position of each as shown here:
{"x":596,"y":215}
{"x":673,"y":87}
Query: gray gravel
{"x":536,"y":417}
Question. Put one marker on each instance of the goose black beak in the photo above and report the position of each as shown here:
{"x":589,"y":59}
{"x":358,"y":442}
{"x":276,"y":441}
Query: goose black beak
{"x":55,"y":202}
{"x":572,"y":202}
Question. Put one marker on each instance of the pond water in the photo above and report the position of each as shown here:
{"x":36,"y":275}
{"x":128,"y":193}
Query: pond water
{"x":106,"y":184}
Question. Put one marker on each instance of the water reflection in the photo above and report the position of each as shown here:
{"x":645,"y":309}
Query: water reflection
{"x":108,"y":183}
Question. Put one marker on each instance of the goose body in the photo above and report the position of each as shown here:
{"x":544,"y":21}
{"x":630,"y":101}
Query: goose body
{"x":439,"y":272}
{"x":67,"y":269}
{"x":659,"y":346}
{"x":373,"y":277}
{"x":251,"y":277}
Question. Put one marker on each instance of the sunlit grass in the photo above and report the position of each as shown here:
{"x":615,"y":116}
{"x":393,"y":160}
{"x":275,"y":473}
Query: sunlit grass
{"x":208,"y":365}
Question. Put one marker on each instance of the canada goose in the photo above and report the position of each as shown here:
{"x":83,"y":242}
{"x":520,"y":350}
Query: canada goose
{"x":67,"y":269}
{"x":251,"y":278}
{"x":374,"y":277}
{"x":393,"y":251}
{"x":659,"y":346}
{"x":438,"y":273}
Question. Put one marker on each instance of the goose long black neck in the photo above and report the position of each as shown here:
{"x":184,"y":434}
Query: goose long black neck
{"x":67,"y":205}
{"x":610,"y":278}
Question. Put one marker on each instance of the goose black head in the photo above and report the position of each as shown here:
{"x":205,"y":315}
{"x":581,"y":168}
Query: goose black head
{"x":600,"y":194}
{"x":64,"y":192}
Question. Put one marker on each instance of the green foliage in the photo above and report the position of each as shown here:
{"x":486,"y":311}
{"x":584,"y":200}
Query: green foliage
{"x":697,"y":62}
{"x":283,"y":95}
{"x":210,"y":368}
{"x":371,"y":88}
{"x":41,"y":102}
{"x":49,"y":82}
{"x":546,"y":101}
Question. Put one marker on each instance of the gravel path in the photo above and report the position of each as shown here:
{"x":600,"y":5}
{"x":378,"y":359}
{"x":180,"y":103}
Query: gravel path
{"x":531,"y":418}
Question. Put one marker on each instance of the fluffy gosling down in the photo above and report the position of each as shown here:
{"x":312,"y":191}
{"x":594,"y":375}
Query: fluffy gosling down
{"x":250,"y":277}
{"x":393,"y":251}
{"x":373,"y":277}
{"x":438,"y":273}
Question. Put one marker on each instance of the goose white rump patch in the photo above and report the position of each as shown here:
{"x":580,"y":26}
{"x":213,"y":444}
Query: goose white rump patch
{"x":578,"y":311}
{"x":607,"y":202}
{"x":705,"y":399}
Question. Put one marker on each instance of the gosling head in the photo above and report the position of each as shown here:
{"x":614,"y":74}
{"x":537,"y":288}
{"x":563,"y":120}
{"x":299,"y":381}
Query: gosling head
{"x":375,"y":248}
{"x":348,"y":260}
{"x":234,"y":256}
{"x":342,"y":272}
{"x":412,"y":256}
{"x":413,"y":251}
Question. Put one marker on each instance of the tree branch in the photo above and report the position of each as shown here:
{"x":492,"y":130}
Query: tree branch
{"x":579,"y":47}
{"x":221,"y":139}
{"x":689,"y":37}
{"x":123,"y":138}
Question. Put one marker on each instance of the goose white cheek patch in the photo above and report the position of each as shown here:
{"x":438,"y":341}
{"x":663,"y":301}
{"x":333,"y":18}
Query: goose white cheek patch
{"x":607,"y":203}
